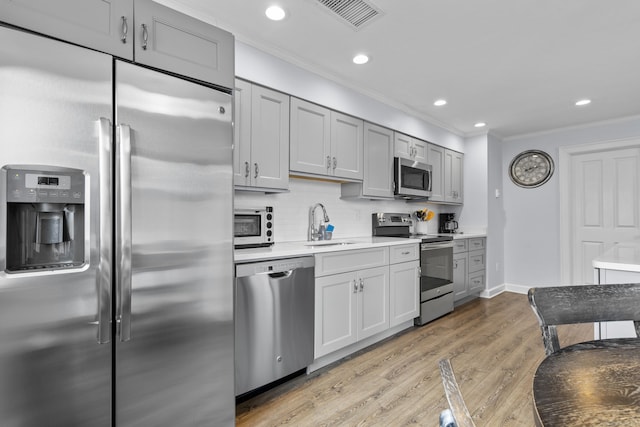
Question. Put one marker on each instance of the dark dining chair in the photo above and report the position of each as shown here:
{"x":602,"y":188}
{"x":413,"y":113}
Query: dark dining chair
{"x":565,"y":305}
{"x":457,"y":415}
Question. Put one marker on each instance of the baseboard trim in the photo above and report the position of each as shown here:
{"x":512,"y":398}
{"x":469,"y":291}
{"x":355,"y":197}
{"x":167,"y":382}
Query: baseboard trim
{"x":353,"y":348}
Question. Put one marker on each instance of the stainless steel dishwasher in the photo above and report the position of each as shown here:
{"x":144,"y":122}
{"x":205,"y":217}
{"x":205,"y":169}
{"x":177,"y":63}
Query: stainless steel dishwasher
{"x":274,"y":306}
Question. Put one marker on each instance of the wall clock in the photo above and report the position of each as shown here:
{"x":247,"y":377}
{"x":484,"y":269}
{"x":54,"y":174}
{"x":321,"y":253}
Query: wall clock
{"x":531,"y":168}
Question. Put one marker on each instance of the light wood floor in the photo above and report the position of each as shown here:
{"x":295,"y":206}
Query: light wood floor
{"x":494,"y":346}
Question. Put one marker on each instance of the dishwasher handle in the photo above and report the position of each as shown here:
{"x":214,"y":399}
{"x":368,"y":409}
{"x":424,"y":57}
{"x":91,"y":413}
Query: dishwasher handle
{"x":281,"y":274}
{"x":276,"y":268}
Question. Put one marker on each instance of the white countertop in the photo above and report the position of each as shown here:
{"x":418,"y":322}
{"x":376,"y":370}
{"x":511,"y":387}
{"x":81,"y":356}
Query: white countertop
{"x":624,"y":256}
{"x":470,"y":235}
{"x":302,"y":248}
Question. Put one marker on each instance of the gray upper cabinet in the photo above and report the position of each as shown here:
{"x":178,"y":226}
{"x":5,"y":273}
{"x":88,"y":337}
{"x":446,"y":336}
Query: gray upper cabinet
{"x":453,"y":169}
{"x":103,"y":25}
{"x":324,"y":142}
{"x":411,"y":148}
{"x":261,"y":138}
{"x":435,"y":154}
{"x":346,"y":146}
{"x":139,"y":30}
{"x":310,"y":138}
{"x":378,"y":167}
{"x":172,"y":41}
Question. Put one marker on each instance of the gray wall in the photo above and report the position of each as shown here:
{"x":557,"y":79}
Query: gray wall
{"x":532,"y":216}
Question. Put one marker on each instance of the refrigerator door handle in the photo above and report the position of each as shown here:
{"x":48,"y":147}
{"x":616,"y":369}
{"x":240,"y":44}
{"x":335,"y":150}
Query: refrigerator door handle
{"x":104,"y":232}
{"x":123,"y":233}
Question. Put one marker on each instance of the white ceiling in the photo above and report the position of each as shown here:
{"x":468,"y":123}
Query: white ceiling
{"x":518,"y":65}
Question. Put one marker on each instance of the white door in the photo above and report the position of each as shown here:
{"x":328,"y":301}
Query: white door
{"x":604,"y":193}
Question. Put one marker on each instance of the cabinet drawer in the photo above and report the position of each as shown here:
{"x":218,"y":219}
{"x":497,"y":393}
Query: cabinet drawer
{"x":343,"y":261}
{"x":476,"y":282}
{"x":404,"y":253}
{"x":476,"y":260}
{"x":459,"y":245}
{"x":475,"y":244}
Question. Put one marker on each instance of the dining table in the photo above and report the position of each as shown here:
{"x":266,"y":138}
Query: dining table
{"x":594,"y":383}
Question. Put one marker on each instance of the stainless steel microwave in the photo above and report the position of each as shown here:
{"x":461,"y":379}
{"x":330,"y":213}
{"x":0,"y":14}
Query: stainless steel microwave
{"x":411,"y":179}
{"x":253,"y":228}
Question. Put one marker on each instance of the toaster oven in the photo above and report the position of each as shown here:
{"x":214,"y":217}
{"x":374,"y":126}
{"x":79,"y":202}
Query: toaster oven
{"x":253,"y":228}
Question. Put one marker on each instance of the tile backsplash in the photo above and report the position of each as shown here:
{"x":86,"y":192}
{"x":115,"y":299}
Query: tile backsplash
{"x":350,"y":217}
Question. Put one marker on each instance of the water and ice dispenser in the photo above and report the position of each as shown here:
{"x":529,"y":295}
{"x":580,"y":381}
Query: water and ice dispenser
{"x":45,"y":218}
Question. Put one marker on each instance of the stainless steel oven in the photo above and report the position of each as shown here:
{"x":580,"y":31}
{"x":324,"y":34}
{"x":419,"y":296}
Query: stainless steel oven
{"x":436,"y":278}
{"x":436,"y":263}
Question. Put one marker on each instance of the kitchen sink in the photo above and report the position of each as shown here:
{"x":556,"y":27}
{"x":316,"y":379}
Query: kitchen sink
{"x":328,"y":243}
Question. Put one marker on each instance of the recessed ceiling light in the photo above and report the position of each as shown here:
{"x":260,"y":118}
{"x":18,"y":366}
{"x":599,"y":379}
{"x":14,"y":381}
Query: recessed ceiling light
{"x":275,"y":13}
{"x":360,"y":59}
{"x":480,"y":124}
{"x":583,"y":102}
{"x":440,"y":102}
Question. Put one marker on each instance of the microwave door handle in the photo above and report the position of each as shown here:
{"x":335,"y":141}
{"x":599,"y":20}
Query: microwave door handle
{"x":123,"y":233}
{"x":430,"y":175}
{"x":104,"y":231}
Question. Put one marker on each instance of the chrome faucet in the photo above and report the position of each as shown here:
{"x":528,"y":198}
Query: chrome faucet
{"x":313,"y":233}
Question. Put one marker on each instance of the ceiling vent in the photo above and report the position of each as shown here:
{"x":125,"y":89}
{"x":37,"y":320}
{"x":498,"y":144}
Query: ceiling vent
{"x":356,"y":13}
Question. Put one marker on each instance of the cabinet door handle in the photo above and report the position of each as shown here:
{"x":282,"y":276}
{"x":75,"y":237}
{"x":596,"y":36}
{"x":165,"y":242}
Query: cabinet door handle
{"x":419,"y":272}
{"x":256,"y":169}
{"x":455,"y":264}
{"x":328,"y":162}
{"x":246,"y":169}
{"x":406,"y":253}
{"x":361,"y":285}
{"x":145,"y":36}
{"x":355,"y":287}
{"x":335,"y":163}
{"x":124,"y":29}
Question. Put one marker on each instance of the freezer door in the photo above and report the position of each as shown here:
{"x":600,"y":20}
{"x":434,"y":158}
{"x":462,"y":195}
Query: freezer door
{"x":53,"y":371}
{"x":174,"y":349}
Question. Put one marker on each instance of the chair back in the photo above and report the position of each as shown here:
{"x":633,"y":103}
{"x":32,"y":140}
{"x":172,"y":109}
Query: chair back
{"x":457,"y":407}
{"x":564,"y":305}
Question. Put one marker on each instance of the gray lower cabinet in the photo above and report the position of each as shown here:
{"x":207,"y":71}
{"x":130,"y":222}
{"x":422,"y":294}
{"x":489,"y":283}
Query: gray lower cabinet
{"x":261,"y":138}
{"x":324,"y":142}
{"x":351,"y":298}
{"x":460,"y":273}
{"x":469,"y":267}
{"x":404,"y":283}
{"x":139,"y":30}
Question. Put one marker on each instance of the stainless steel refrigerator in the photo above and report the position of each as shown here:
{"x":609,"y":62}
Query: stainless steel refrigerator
{"x":116,"y":298}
